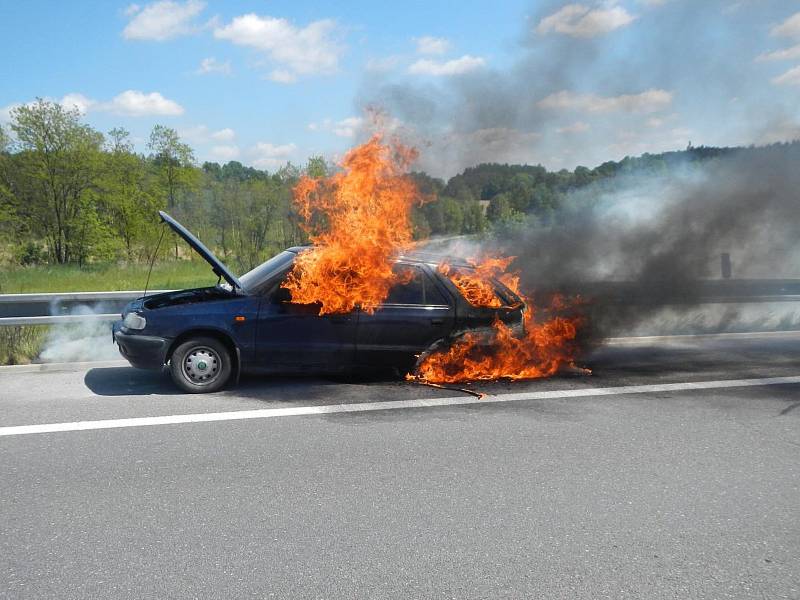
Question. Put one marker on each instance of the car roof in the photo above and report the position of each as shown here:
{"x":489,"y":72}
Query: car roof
{"x":412,"y":257}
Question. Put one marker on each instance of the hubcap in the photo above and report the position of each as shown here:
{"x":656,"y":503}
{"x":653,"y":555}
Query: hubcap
{"x":201,"y":365}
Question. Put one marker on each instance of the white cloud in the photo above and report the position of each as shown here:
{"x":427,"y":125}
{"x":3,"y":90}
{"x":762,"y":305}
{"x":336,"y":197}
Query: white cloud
{"x":577,"y":127}
{"x":382,"y":65}
{"x":789,"y":28}
{"x":791,"y":77}
{"x":162,"y":20}
{"x":432,"y":45}
{"x":346,"y":128}
{"x":653,"y":2}
{"x":79,"y":101}
{"x":295,"y":51}
{"x":134,"y":103}
{"x":271,"y":156}
{"x":131,"y":103}
{"x":201,"y":134}
{"x":785,"y":54}
{"x":224,"y":135}
{"x":196,"y":134}
{"x":224,"y":153}
{"x":456,"y":66}
{"x":579,"y":20}
{"x":212,"y":65}
{"x":282,"y":76}
{"x":646,"y":102}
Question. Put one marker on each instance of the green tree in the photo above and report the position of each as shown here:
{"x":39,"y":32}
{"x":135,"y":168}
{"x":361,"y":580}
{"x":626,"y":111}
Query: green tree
{"x":422,"y":229}
{"x":474,"y":218}
{"x":131,"y":205}
{"x":6,"y":208}
{"x":174,"y":163}
{"x":288,"y":173}
{"x":520,"y":191}
{"x":317,"y":167}
{"x":5,"y":141}
{"x":55,"y":170}
{"x":452,"y":215}
{"x":499,"y":207}
{"x":583,"y":176}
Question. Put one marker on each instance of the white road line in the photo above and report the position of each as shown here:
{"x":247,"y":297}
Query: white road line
{"x":268,"y":413}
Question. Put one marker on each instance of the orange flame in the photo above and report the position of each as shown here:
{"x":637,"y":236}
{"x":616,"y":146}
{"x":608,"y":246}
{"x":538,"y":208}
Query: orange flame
{"x":540,"y":350}
{"x":476,"y":284}
{"x":357,"y":220}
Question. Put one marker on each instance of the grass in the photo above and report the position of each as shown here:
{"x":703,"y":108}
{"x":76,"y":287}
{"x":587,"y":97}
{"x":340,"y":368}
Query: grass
{"x":20,"y":345}
{"x":105,"y":277}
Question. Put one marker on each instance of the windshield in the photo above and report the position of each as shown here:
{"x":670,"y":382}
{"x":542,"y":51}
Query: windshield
{"x":255,"y":277}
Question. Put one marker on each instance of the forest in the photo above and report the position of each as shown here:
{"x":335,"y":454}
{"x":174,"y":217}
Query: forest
{"x":73,"y":196}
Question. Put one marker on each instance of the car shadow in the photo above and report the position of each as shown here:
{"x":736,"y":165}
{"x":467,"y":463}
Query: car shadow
{"x":127,"y":381}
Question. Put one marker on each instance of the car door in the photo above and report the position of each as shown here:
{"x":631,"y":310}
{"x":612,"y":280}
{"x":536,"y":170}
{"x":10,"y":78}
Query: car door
{"x":294,"y":336}
{"x":417,"y":313}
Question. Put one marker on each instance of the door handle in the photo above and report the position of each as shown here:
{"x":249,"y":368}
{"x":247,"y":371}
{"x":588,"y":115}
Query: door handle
{"x":437,"y":321}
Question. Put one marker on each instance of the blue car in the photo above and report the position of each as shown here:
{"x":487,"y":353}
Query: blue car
{"x":208,"y":336}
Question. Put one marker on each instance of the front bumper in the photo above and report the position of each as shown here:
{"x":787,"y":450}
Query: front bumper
{"x":142,"y":351}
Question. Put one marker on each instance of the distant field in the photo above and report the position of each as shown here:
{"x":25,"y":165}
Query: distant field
{"x":104,"y":277}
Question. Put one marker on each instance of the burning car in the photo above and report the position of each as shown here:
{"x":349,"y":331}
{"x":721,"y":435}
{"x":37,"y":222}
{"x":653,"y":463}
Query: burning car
{"x":208,"y":336}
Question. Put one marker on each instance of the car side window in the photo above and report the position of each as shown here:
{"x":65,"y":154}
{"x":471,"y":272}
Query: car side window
{"x":272,"y":289}
{"x":410,"y":290}
{"x":433,"y":295}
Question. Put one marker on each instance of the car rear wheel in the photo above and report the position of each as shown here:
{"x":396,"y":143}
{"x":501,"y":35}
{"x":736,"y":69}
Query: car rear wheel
{"x":201,"y":365}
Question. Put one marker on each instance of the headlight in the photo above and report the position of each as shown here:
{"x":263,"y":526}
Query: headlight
{"x":134,"y":321}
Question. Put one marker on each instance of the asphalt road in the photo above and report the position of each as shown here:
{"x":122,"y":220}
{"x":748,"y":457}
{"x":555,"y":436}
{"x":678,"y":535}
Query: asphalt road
{"x":693,"y":493}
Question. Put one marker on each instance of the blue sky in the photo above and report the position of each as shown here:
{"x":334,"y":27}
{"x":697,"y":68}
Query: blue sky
{"x":558,"y":83}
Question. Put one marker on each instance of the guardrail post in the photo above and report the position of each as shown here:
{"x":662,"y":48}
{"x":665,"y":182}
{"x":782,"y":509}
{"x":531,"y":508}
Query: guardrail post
{"x":725,"y":264}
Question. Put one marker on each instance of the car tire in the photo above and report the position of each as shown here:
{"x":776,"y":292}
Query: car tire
{"x":201,"y":365}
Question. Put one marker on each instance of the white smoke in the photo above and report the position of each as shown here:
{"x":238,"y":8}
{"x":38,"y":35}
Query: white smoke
{"x":82,"y":341}
{"x":713,"y":318}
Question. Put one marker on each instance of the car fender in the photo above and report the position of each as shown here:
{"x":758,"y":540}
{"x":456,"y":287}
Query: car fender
{"x":483,"y":333}
{"x":224,"y":336}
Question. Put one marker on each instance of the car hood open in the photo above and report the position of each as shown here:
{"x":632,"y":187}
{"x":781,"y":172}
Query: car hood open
{"x":219,"y":268}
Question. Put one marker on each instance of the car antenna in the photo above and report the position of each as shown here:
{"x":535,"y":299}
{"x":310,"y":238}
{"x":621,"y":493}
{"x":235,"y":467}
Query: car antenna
{"x":153,"y":259}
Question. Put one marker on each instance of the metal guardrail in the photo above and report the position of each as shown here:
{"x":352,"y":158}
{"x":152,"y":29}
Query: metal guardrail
{"x":53,"y":308}
{"x":57,"y":319}
{"x":700,"y":291}
{"x":74,"y":296}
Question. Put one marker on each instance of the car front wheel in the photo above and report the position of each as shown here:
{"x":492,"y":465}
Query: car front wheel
{"x":201,"y":365}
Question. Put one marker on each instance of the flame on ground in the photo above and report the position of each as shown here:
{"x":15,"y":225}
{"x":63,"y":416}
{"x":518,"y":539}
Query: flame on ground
{"x":358,"y":220}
